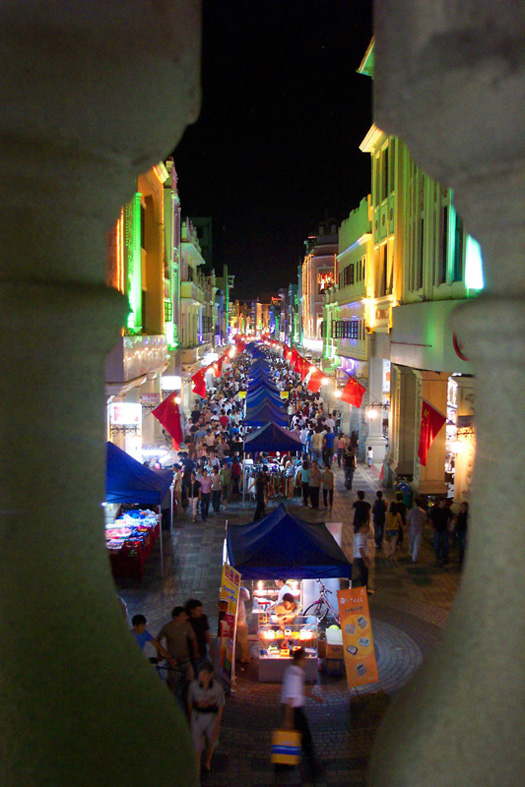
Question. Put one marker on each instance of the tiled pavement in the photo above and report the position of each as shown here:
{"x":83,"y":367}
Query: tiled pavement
{"x":409,"y":609}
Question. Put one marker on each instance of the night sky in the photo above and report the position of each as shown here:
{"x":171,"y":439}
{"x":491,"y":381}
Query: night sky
{"x":276,"y":147}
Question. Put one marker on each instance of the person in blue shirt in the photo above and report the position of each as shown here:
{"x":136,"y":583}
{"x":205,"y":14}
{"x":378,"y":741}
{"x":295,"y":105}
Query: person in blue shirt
{"x":328,"y":447}
{"x":142,"y":636}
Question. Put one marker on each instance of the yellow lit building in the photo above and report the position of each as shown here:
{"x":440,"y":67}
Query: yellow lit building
{"x":142,"y":263}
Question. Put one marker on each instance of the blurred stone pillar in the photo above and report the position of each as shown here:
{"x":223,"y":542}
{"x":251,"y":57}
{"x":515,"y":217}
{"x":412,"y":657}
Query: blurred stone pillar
{"x":449,"y":81}
{"x":92,"y":94}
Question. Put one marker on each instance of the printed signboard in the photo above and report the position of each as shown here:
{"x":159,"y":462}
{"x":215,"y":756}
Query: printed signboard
{"x":358,"y":642}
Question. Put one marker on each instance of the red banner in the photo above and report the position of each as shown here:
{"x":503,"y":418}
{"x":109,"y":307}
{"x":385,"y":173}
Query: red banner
{"x":353,"y":392}
{"x":431,"y":423}
{"x":168,"y":413}
{"x":199,"y":383}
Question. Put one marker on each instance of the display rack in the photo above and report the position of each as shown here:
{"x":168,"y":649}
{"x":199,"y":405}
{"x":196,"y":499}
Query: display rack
{"x":277,"y":646}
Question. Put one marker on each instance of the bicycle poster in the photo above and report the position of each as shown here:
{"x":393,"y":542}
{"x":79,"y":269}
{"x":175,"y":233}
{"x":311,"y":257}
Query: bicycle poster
{"x":228,"y":607}
{"x":358,"y":641}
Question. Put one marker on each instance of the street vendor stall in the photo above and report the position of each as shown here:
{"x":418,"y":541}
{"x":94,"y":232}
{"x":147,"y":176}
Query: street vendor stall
{"x":266,"y":413}
{"x":130,"y":538}
{"x":269,"y":438}
{"x":282,"y":546}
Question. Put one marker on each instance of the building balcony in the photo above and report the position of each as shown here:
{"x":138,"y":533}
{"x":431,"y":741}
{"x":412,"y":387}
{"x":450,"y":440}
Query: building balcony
{"x":133,"y":357}
{"x":195,"y":353}
{"x":192,"y":293}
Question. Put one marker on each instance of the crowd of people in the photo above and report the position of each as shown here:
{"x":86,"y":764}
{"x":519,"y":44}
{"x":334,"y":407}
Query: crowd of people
{"x":209,"y":474}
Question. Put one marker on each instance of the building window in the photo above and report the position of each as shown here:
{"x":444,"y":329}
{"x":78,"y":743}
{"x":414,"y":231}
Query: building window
{"x":377,"y":194}
{"x":418,"y":278}
{"x":391,"y":167}
{"x":458,"y":250}
{"x":168,"y":311}
{"x":384,"y":173}
{"x":382,"y":271}
{"x":441,"y":273}
{"x":348,"y":275}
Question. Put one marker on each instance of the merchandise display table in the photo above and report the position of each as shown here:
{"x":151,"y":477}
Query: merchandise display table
{"x":130,"y":540}
{"x":276,"y":647}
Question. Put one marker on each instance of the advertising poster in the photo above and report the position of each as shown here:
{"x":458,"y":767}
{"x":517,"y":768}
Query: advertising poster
{"x":358,"y":642}
{"x":228,"y":602}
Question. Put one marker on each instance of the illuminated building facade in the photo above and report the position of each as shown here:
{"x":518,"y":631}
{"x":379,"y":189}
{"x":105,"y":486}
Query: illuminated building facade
{"x":318,"y":275}
{"x":142,"y":263}
{"x":404,"y":264}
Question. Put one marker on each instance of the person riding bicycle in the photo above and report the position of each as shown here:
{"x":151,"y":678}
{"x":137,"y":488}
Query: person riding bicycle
{"x":142,"y":636}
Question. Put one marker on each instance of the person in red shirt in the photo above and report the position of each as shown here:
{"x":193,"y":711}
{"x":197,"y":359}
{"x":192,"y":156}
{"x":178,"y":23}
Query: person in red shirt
{"x":224,"y":419}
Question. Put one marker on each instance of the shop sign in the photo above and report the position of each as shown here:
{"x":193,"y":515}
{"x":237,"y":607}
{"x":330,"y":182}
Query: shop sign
{"x":171,"y":382}
{"x":150,"y":398}
{"x":358,"y":642}
{"x":382,"y":313}
{"x":125,"y":413}
{"x":228,"y":607}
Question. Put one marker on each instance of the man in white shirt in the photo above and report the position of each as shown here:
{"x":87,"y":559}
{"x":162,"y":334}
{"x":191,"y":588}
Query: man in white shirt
{"x":293,"y":698}
{"x":283,"y":590}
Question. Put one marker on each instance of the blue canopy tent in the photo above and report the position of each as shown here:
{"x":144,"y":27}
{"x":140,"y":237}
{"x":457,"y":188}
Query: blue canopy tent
{"x":255,"y":398}
{"x":254,"y":351}
{"x":260,"y":378}
{"x":263,"y":387}
{"x":282,"y":545}
{"x":128,"y":481}
{"x":271,"y":437}
{"x":265,"y":413}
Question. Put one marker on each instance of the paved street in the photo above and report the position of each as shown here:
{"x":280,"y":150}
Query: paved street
{"x":409,"y":610}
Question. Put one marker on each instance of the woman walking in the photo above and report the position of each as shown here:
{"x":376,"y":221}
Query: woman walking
{"x":394,"y":523}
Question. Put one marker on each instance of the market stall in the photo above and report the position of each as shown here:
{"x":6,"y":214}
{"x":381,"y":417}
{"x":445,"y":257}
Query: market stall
{"x":130,"y":538}
{"x":269,"y":438}
{"x":266,"y":413}
{"x":282,"y":546}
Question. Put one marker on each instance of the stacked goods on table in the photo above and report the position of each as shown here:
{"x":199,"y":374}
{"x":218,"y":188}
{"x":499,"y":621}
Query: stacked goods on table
{"x":130,"y":540}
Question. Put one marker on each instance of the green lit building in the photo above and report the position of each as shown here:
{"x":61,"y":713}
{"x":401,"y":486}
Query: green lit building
{"x":405,"y":262}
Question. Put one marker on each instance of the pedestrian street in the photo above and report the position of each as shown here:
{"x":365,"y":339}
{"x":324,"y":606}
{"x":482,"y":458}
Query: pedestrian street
{"x":409,"y":609}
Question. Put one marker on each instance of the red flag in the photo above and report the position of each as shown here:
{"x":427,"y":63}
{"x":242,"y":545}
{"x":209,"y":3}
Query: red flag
{"x":353,"y":392}
{"x":431,"y":423}
{"x":315,"y":381}
{"x":304,"y":367}
{"x":199,"y":383}
{"x":168,"y":414}
{"x":219,"y":364}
